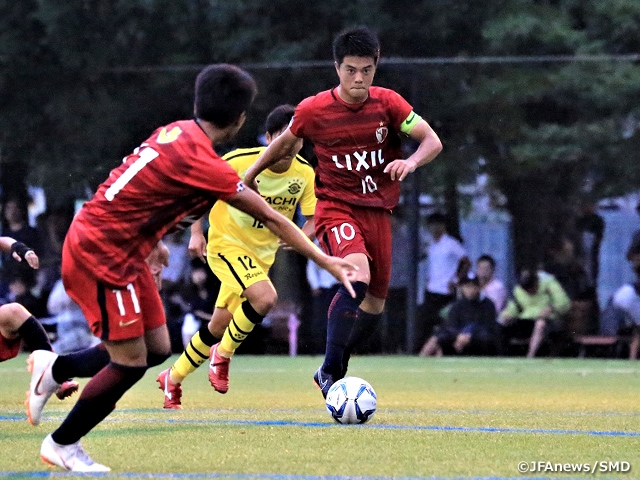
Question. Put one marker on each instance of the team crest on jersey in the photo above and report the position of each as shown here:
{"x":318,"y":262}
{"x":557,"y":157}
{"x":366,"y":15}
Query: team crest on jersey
{"x":294,"y":186}
{"x":168,"y":136}
{"x":381,"y":134}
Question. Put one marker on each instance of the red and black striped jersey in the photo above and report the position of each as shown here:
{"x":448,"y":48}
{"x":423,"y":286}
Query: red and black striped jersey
{"x":353,"y":144}
{"x":174,"y":176}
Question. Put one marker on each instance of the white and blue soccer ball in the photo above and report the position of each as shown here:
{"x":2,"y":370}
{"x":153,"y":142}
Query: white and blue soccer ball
{"x":351,"y":400}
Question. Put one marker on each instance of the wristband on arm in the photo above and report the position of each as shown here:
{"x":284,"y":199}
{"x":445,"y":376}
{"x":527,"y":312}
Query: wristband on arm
{"x":21,"y":249}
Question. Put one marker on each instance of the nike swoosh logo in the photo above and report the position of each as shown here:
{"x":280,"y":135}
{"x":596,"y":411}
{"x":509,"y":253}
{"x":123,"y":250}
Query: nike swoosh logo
{"x":126,"y":324}
{"x":323,"y":384}
{"x":167,"y":393}
{"x":35,"y":390}
{"x":410,"y":119}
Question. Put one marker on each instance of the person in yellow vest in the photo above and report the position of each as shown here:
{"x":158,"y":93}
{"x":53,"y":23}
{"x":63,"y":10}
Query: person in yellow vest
{"x":240,"y":251}
{"x":537,"y":305}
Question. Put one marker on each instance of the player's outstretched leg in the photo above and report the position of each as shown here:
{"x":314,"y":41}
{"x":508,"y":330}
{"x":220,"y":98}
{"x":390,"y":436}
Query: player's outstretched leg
{"x":43,"y":385}
{"x":71,"y":457}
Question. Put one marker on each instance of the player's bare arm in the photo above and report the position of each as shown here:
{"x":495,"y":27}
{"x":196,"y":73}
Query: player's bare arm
{"x":19,"y":251}
{"x":309,"y":229}
{"x":197,"y":242}
{"x":429,"y":147}
{"x":253,"y":204}
{"x":280,"y":147}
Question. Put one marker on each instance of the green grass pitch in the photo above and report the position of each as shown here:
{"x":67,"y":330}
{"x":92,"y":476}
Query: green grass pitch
{"x":443,"y":418}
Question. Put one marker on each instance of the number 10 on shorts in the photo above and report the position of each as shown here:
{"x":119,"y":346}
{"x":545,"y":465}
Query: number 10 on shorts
{"x":344,"y":231}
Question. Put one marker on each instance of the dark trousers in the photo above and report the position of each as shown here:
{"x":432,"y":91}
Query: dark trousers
{"x":394,"y":322}
{"x":430,"y":316}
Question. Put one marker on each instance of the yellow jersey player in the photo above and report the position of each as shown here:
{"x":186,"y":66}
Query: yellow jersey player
{"x":240,"y":252}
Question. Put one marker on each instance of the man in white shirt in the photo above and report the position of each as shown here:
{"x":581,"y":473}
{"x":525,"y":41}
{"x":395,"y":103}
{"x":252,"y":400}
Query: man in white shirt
{"x":445,"y":256}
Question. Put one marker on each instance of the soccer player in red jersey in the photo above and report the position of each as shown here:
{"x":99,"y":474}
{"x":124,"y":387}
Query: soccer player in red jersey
{"x":356,"y":130}
{"x":174,"y":177}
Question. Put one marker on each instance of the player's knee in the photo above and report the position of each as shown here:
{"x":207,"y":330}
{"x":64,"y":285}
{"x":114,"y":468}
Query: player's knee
{"x":264,"y":304}
{"x":252,"y":314}
{"x":13,"y":315}
{"x":360,"y":289}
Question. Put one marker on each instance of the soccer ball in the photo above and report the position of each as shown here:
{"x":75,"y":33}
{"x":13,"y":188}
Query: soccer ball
{"x":351,"y":400}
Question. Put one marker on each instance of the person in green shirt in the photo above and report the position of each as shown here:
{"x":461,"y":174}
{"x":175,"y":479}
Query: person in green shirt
{"x":537,"y":305}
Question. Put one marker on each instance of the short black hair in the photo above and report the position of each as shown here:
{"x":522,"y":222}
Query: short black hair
{"x":223,"y":93}
{"x":279,"y":118}
{"x":487,"y":258}
{"x":437,"y":217}
{"x":528,"y":278}
{"x":356,"y":42}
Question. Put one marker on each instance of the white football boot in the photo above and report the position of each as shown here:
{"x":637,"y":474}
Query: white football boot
{"x":42,"y":384}
{"x":71,"y":457}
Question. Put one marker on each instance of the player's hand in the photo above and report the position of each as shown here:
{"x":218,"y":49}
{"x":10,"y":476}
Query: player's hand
{"x":198,"y":247}
{"x":157,"y":260}
{"x":399,"y":169}
{"x":31,"y":258}
{"x":20,"y":251}
{"x":342,"y":270}
{"x":250,"y":180}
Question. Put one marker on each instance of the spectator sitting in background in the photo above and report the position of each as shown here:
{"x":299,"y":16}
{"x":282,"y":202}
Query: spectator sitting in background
{"x":565,"y":267}
{"x":199,"y":298}
{"x":53,"y":226}
{"x":72,"y":329}
{"x":536,"y":307}
{"x":491,"y":287}
{"x":626,"y":300}
{"x":470,"y":326}
{"x":445,"y":256}
{"x":15,"y":223}
{"x":20,"y":292}
{"x":624,"y":309}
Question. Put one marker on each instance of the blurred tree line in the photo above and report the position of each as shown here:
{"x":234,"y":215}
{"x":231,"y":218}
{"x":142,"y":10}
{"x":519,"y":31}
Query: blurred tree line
{"x":82,"y":82}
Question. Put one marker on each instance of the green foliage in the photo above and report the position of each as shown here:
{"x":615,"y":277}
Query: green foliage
{"x":82,"y":83}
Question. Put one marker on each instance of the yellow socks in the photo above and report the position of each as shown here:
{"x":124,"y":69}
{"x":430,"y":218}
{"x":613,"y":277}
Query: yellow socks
{"x":245,"y":318}
{"x":194,"y":355}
